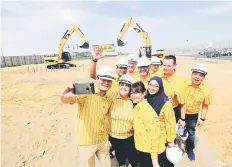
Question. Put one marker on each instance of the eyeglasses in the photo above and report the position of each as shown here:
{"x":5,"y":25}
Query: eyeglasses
{"x":154,"y":86}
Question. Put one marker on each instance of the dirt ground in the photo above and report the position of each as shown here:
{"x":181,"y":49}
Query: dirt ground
{"x":38,"y":131}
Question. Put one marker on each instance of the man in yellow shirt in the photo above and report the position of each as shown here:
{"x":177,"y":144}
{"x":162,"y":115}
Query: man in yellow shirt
{"x":92,"y":134}
{"x":155,"y":66}
{"x":121,"y":69}
{"x":132,"y":63}
{"x":143,"y":74}
{"x":172,"y":83}
{"x":197,"y":96}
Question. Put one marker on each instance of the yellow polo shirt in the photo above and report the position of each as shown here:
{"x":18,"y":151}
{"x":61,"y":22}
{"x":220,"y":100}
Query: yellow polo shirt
{"x":121,"y":117}
{"x":172,"y":86}
{"x":195,"y":96}
{"x":147,"y":132}
{"x":168,"y":125}
{"x":157,"y":73}
{"x":90,"y":120}
{"x":145,"y":80}
{"x":133,"y":74}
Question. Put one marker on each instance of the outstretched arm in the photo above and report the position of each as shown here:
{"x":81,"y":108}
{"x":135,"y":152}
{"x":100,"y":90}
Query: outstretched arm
{"x":95,"y":57}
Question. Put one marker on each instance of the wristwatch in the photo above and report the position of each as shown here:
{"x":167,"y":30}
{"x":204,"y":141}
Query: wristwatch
{"x":94,"y":60}
{"x":202,"y":119}
{"x":182,"y":119}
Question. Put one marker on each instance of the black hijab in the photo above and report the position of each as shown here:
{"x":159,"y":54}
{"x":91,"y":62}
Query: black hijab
{"x":157,"y":100}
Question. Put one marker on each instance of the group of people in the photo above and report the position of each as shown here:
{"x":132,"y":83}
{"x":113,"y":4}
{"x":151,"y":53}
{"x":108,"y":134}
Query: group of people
{"x":137,"y":111}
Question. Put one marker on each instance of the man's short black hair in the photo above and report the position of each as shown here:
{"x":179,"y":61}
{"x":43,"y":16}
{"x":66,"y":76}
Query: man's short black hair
{"x":172,"y":57}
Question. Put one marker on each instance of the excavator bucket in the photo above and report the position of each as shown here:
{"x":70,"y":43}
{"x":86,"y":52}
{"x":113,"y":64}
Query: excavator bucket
{"x":85,"y":45}
{"x":120,"y":42}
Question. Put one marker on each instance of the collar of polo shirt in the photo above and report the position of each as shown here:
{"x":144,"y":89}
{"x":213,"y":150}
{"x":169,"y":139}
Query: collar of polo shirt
{"x":170,"y":78}
{"x":190,"y":83}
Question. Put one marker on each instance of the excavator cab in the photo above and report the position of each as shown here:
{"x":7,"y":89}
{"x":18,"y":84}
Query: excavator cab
{"x":160,"y":53}
{"x":85,"y":45}
{"x":66,"y":56}
{"x":147,"y":52}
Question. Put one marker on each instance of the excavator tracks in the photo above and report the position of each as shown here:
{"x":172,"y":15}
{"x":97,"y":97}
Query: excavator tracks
{"x":60,"y":66}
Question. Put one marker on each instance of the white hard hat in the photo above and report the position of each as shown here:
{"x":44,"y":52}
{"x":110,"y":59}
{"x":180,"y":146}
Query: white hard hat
{"x":174,"y":154}
{"x":122,"y":62}
{"x":182,"y":132}
{"x":126,"y":78}
{"x":143,"y":61}
{"x":105,"y":73}
{"x":132,"y":57}
{"x":155,"y":60}
{"x":201,"y":68}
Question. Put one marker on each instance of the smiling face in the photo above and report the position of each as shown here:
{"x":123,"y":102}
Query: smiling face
{"x":197,"y":78}
{"x":131,"y":66}
{"x":169,"y":66}
{"x":154,"y":67}
{"x":153,"y":87}
{"x":124,"y":89}
{"x":137,"y":97}
{"x":121,"y":70}
{"x":103,"y":84}
{"x":144,"y":70}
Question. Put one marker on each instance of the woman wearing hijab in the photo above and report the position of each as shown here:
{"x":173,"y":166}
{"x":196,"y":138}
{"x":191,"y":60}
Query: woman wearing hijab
{"x":163,"y":107}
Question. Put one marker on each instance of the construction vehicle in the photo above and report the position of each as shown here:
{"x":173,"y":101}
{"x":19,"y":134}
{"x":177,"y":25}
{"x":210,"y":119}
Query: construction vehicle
{"x":140,"y":31}
{"x":160,"y":53}
{"x":61,"y":61}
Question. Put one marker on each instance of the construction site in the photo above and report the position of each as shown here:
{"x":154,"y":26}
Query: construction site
{"x":38,"y":130}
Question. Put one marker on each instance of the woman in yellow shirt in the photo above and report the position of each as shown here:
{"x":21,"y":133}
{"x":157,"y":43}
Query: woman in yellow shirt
{"x":163,"y":107}
{"x":121,"y":123}
{"x":147,"y":132}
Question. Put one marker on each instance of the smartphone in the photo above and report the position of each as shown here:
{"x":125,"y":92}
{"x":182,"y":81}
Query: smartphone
{"x":83,"y":88}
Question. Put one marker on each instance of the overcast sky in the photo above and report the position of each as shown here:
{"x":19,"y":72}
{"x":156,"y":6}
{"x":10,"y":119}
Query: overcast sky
{"x":37,"y":27}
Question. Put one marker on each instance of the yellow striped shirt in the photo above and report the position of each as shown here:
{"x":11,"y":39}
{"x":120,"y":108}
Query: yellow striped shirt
{"x":121,"y":118}
{"x":195,"y":96}
{"x":172,"y":86}
{"x":91,"y":116}
{"x":168,"y":125}
{"x":147,"y":132}
{"x":115,"y":85}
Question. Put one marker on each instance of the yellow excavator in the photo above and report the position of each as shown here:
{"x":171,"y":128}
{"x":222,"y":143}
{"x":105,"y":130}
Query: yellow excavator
{"x":144,"y":35}
{"x":61,"y":61}
{"x":160,"y":53}
{"x":140,"y":31}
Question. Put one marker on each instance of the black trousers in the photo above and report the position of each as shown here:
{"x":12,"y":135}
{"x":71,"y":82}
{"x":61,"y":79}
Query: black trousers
{"x":125,"y":148}
{"x":146,"y":161}
{"x":191,"y":122}
{"x":177,"y":112}
{"x":163,"y":161}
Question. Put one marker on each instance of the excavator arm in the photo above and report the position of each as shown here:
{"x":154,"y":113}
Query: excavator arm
{"x":73,"y":28}
{"x":139,"y":30}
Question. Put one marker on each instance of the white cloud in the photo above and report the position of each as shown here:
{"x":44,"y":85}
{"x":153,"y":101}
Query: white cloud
{"x":217,"y":9}
{"x":39,"y":27}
